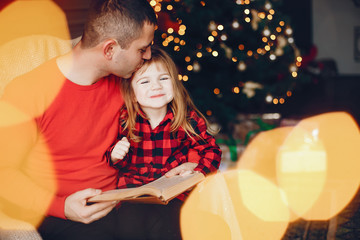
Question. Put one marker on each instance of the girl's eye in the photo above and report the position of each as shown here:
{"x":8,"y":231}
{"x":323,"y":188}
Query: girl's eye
{"x":144,"y":82}
{"x":164,"y":78}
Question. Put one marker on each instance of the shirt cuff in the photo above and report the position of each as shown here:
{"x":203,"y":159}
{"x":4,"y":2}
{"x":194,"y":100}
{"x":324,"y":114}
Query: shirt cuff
{"x":57,"y":207}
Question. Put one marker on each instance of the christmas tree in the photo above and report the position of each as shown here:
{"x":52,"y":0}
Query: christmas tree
{"x":233,"y":56}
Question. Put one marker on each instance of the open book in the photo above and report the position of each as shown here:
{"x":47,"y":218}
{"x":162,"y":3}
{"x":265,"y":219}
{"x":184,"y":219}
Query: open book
{"x":160,"y":191}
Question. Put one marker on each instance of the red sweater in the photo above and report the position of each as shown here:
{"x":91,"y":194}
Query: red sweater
{"x":69,"y":130}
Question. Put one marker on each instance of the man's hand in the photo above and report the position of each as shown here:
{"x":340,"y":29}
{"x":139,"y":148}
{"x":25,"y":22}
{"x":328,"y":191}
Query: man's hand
{"x":120,"y":150}
{"x":183,"y":169}
{"x":77,"y":210}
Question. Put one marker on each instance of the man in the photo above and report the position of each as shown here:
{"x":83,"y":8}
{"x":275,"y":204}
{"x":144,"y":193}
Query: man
{"x":65,"y":115}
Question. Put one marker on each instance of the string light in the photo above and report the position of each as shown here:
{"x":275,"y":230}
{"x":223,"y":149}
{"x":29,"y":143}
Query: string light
{"x":261,"y":15}
{"x":266,"y":32}
{"x":241,"y":66}
{"x":223,"y":37}
{"x":212,"y":26}
{"x":272,"y":57}
{"x":268,"y":38}
{"x":269,"y":98}
{"x":157,"y":8}
{"x":196,"y":66}
{"x":268,"y":6}
{"x":152,"y":3}
{"x":293,"y":68}
{"x":235,"y":24}
{"x":288,"y":31}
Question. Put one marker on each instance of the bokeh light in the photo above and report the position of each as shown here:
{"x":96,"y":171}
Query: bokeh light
{"x":318,"y":165}
{"x":219,"y":202}
{"x":37,"y":33}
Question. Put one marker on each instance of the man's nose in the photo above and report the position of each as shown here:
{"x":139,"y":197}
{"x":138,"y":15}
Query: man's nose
{"x":147,"y":53}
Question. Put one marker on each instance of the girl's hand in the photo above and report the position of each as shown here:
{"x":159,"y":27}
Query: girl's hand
{"x":183,"y":169}
{"x":120,"y":150}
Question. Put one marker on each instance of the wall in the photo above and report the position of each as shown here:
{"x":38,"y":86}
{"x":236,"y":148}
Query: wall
{"x":333,"y":32}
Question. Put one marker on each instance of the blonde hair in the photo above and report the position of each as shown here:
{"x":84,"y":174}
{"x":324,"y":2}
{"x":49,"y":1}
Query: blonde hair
{"x":181,"y":105}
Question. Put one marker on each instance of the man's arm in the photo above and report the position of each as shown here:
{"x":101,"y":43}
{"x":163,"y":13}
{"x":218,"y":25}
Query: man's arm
{"x":18,"y":135}
{"x":19,"y":184}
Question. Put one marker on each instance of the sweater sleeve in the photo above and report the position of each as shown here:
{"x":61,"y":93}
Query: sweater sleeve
{"x":203,"y":148}
{"x":21,"y":184}
{"x":18,"y":186}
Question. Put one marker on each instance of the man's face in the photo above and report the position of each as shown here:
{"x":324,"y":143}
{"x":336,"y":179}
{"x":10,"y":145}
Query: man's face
{"x":153,"y":87}
{"x":127,"y":61}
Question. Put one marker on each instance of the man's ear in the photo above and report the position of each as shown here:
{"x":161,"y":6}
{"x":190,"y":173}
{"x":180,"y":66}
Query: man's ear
{"x":109,"y":48}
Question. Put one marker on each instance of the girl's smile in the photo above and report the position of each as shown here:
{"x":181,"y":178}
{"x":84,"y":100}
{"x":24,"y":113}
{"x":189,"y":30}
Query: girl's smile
{"x":153,"y":87}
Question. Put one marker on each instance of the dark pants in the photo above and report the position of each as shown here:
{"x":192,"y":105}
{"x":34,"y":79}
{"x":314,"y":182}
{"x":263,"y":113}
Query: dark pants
{"x":129,"y":221}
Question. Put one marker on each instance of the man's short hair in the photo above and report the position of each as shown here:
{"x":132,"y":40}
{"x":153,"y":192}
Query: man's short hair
{"x":122,"y":20}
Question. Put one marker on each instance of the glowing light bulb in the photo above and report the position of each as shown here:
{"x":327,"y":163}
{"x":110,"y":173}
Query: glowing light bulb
{"x":269,"y":98}
{"x":235,"y":24}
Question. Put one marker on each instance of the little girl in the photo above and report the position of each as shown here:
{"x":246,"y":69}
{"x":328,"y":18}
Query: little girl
{"x":161,"y":133}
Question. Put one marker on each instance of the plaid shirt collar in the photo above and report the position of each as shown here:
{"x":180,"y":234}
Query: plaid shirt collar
{"x":168,"y":118}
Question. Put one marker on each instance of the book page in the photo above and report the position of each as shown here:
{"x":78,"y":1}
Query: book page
{"x":168,"y":182}
{"x":126,"y":193}
{"x":171,"y":187}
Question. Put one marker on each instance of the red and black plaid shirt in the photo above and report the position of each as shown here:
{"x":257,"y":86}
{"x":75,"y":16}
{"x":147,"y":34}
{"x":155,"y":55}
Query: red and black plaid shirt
{"x":160,"y":151}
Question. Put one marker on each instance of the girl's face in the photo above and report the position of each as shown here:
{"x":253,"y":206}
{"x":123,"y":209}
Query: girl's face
{"x":153,"y":87}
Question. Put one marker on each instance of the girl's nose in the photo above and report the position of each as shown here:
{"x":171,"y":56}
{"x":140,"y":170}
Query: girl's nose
{"x":156,"y":85}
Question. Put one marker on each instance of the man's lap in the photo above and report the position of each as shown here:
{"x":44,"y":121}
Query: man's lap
{"x":129,"y":221}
